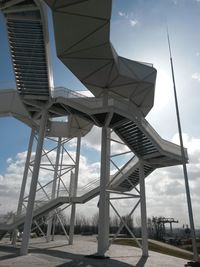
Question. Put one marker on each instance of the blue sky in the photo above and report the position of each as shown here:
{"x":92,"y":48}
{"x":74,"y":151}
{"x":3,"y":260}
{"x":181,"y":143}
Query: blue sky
{"x":146,"y":41}
{"x":138,"y":32}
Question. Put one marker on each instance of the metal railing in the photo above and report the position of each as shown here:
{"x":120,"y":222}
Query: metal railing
{"x":67,"y":93}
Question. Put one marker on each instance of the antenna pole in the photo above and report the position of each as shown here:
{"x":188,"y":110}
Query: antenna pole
{"x":189,"y":203}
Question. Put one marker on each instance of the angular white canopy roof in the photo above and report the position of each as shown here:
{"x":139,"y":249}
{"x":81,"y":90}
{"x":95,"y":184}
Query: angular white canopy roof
{"x":82,"y":34}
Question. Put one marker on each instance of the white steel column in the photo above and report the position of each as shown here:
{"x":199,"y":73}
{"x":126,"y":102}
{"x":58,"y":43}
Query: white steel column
{"x":103,"y":226}
{"x":74,"y":191}
{"x":143,"y":210}
{"x":24,"y":180}
{"x":53,"y":192}
{"x":33,"y":186}
{"x":25,"y":175}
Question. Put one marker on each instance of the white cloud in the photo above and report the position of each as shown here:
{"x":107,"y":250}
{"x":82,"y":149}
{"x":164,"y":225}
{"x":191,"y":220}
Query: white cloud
{"x":10,"y":182}
{"x":196,"y":76}
{"x":9,"y":160}
{"x":198,"y":53}
{"x":93,"y":139}
{"x":166,"y":188}
{"x":175,"y":2}
{"x":122,"y":14}
{"x":129,"y":17}
{"x":133,"y":22}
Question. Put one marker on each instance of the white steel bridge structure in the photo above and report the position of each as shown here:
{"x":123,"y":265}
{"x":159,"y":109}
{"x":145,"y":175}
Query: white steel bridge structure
{"x":123,"y":92}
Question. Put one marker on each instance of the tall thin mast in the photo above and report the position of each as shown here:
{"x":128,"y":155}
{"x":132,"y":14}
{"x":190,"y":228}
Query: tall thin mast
{"x":187,"y":188}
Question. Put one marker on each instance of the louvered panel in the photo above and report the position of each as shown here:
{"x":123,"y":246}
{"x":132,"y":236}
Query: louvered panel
{"x":23,"y":30}
{"x":24,"y":55}
{"x":25,"y":51}
{"x":28,"y":76}
{"x":20,"y":25}
{"x":29,"y":56}
{"x":25,"y":67}
{"x":32,"y":46}
{"x":31,"y":82}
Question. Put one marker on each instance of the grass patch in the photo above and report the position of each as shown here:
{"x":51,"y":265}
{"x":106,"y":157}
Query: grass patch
{"x":156,"y":248}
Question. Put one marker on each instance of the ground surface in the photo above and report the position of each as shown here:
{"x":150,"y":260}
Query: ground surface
{"x":58,"y":253}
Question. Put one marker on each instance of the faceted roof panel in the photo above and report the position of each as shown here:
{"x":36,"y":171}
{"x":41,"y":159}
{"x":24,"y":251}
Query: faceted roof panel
{"x":82,"y":35}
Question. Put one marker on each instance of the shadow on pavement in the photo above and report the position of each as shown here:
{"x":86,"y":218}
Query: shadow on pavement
{"x":73,"y":260}
{"x":7,"y":252}
{"x":141,"y":262}
{"x":65,"y":259}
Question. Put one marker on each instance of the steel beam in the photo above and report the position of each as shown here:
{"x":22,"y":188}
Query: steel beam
{"x":53,"y":192}
{"x":103,"y":227}
{"x":33,"y":187}
{"x":24,"y":180}
{"x":145,"y":252}
{"x":74,"y":193}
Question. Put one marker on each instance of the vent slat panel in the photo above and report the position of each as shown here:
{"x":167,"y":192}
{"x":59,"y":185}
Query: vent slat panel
{"x":29,"y":56}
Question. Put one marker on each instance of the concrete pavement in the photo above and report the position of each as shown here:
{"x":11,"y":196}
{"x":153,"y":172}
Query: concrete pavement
{"x":58,"y":253}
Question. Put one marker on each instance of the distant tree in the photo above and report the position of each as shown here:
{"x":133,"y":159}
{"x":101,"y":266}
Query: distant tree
{"x":94,"y":223}
{"x":82,"y":224}
{"x":187,"y":231}
{"x":114,"y":224}
{"x":129,"y":222}
{"x":138,"y":221}
{"x":150,"y":227}
{"x":114,"y":221}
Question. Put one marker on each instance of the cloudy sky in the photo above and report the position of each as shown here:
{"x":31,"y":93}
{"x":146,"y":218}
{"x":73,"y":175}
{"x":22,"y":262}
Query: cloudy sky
{"x":138,"y":31}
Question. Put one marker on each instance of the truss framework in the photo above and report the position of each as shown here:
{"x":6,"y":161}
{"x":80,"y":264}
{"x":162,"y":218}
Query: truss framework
{"x":62,"y":167}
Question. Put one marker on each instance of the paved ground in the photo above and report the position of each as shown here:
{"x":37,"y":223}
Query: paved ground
{"x":58,"y":253}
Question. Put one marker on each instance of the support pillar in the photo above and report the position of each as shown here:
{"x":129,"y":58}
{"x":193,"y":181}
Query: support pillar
{"x":33,"y":186}
{"x":25,"y":175}
{"x":145,"y":252}
{"x":53,"y":192}
{"x":24,"y":180}
{"x":103,"y":226}
{"x":57,"y":193}
{"x":74,"y":191}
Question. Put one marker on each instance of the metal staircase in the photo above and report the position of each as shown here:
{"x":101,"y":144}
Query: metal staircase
{"x":135,"y":139}
{"x":28,"y":46}
{"x":144,"y":141}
